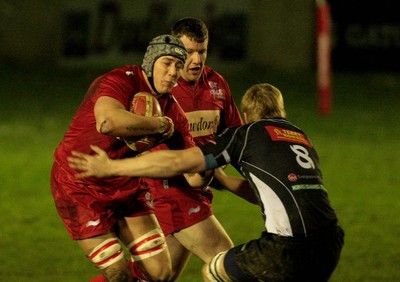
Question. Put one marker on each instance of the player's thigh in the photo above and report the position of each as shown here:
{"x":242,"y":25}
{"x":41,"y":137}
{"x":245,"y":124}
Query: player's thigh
{"x":179,"y":255}
{"x":205,"y":239}
{"x":87,"y":245}
{"x":131,"y":228}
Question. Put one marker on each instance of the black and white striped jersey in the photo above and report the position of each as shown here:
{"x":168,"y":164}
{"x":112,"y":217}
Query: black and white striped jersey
{"x":282,"y":166}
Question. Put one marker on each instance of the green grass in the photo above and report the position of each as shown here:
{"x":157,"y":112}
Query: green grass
{"x":359,"y":155}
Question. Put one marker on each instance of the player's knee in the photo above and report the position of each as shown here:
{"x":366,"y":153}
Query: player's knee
{"x":160,"y":274}
{"x":114,"y":273}
{"x":109,"y":257}
{"x":107,"y":253}
{"x":147,"y":246}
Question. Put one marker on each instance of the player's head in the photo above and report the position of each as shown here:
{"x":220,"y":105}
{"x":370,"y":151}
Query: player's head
{"x":194,"y":35}
{"x":167,"y":46}
{"x":192,"y":28}
{"x":262,"y":101}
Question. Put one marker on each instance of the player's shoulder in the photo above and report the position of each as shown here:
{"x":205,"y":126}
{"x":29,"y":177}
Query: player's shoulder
{"x":209,"y":72}
{"x":125,"y":75}
{"x":214,"y":79}
{"x":125,"y":71}
{"x":276,"y":124}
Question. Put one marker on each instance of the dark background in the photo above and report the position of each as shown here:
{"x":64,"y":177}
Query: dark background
{"x":367,"y":35}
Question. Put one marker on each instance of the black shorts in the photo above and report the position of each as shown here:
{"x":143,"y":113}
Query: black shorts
{"x":276,"y":258}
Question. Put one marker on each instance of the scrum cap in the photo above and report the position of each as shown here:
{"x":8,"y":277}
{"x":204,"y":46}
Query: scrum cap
{"x":163,"y":45}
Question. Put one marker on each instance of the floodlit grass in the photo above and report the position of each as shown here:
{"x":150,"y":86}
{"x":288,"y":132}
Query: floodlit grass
{"x":359,"y":155}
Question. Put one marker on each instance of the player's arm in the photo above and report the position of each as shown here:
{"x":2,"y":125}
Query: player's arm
{"x":113,"y":119}
{"x":162,"y":163}
{"x":236,"y":185}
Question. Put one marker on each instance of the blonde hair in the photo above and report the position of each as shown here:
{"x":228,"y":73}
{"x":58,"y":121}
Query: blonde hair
{"x":263,"y":101}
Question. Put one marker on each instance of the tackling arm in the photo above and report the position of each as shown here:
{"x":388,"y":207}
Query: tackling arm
{"x":162,"y":163}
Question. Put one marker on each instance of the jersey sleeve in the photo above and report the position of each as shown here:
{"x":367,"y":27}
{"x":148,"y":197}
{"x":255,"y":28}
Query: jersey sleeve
{"x":117,"y":84}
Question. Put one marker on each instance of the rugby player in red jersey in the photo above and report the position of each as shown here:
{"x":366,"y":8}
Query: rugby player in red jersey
{"x":100,"y":214}
{"x":185,"y":214}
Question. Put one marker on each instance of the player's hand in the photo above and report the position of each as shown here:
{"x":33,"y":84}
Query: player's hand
{"x":199,"y":180}
{"x":166,"y":127}
{"x":97,"y":165}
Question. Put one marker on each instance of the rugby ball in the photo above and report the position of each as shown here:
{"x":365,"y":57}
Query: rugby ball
{"x":144,"y":104}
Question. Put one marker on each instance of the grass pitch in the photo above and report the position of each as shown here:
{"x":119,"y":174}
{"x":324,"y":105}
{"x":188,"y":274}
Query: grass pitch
{"x":359,"y":147}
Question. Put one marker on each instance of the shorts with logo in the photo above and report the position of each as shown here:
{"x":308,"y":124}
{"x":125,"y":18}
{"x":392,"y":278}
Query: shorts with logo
{"x":276,"y":258}
{"x":177,"y":205}
{"x":88,"y":210}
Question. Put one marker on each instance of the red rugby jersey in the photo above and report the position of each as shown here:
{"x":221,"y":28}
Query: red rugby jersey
{"x":208,"y":104}
{"x":121,"y":84}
